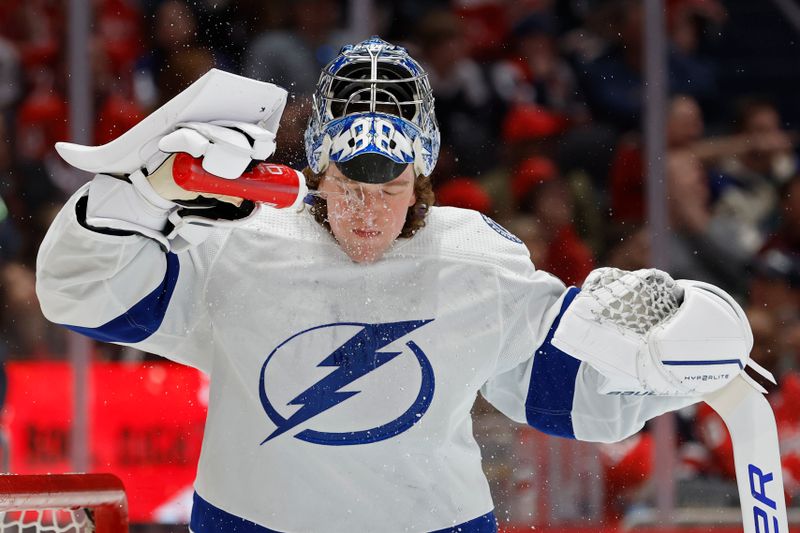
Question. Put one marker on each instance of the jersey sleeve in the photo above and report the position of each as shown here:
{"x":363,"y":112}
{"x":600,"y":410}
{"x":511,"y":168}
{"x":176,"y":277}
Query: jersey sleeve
{"x":537,"y":384}
{"x":123,"y":288}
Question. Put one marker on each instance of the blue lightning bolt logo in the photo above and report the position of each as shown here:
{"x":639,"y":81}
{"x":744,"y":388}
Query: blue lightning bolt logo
{"x":355,"y":358}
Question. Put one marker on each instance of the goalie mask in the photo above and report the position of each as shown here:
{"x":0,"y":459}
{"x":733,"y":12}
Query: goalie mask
{"x":372,"y":115}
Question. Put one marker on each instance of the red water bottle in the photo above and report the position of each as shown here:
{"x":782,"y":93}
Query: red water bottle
{"x":278,"y":186}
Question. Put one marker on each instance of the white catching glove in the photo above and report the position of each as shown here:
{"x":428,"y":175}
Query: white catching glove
{"x":649,"y":334}
{"x":149,"y":202}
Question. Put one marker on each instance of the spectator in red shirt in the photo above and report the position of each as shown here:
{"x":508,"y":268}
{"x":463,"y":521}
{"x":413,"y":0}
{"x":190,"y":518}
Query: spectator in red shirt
{"x":466,"y":193}
{"x":540,"y":191}
{"x":626,"y":178}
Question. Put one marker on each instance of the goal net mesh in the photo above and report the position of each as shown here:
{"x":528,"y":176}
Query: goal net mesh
{"x":63,"y":503}
{"x":47,"y":521}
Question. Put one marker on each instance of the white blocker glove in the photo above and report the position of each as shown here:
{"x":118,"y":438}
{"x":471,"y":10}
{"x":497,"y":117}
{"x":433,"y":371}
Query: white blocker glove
{"x":150,"y":203}
{"x":646,"y":333}
{"x":227,"y":147}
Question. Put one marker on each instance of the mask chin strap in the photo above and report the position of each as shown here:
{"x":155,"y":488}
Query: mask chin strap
{"x":324,"y":154}
{"x":419,"y":160}
{"x":371,"y":168}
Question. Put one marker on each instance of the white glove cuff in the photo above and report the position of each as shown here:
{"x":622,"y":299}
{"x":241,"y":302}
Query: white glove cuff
{"x":190,"y":230}
{"x":116,"y":204}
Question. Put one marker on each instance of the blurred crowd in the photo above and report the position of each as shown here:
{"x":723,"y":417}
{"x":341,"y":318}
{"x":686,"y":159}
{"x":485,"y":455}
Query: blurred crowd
{"x":540,"y":107}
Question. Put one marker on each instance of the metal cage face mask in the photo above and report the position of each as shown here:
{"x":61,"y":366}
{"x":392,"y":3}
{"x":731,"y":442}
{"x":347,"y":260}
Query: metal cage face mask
{"x":373,"y":99}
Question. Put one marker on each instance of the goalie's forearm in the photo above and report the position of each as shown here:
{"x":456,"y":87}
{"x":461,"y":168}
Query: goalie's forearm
{"x":126,"y":289}
{"x":86,"y":277}
{"x":599,"y":417}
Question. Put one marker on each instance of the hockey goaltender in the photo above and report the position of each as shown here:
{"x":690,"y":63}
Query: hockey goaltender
{"x":346,"y":341}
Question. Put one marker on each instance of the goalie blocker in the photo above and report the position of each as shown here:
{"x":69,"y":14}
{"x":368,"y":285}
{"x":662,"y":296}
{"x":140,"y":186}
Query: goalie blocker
{"x":182,"y":170}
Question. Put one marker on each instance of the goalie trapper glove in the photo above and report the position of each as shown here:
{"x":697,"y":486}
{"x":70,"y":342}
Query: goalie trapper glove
{"x":649,"y":334}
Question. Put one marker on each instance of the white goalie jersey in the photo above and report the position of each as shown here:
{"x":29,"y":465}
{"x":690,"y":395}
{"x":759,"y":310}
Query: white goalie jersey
{"x":341,"y":392}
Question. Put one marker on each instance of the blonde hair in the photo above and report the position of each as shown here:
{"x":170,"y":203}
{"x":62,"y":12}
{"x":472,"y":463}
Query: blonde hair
{"x":415,"y":217}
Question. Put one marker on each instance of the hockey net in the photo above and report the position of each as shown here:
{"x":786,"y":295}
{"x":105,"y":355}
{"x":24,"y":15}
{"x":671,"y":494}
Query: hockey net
{"x":63,"y":503}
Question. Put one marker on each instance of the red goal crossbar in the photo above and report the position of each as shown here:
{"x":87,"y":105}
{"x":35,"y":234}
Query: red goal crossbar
{"x":103,"y":494}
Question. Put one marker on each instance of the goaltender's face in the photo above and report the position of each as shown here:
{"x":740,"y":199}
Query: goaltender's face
{"x":366,"y":218}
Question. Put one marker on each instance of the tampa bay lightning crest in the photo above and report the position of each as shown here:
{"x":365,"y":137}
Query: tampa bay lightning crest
{"x":328,"y":384}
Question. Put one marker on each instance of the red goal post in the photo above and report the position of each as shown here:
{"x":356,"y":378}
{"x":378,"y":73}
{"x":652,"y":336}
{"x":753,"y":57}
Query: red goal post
{"x":63,"y":503}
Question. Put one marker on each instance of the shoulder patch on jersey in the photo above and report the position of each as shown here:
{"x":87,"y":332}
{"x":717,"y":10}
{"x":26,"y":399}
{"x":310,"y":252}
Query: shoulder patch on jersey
{"x":501,"y":230}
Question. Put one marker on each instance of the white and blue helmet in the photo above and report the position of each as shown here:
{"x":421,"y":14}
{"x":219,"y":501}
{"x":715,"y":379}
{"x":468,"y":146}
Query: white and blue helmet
{"x":373,"y":114}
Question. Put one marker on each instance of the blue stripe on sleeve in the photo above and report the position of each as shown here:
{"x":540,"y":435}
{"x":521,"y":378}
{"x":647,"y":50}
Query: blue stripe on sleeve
{"x":144,"y":318}
{"x":206,"y":518}
{"x":548,"y":406}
